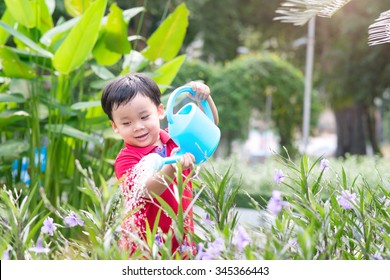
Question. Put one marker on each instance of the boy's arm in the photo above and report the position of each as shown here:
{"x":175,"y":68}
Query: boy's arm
{"x":157,"y":183}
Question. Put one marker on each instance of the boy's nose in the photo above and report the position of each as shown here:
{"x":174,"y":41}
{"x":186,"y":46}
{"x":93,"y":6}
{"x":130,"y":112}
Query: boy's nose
{"x":138,"y":126}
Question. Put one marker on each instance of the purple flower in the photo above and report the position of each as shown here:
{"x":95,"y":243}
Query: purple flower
{"x":6,"y":255}
{"x":72,"y":220}
{"x":241,"y":239}
{"x":208,"y":221}
{"x":48,"y":226}
{"x":385,"y":201}
{"x":212,"y":252}
{"x":276,"y":203}
{"x":324,"y":165}
{"x":279,"y":176}
{"x":158,"y":240}
{"x":39,"y":248}
{"x":377,"y":257}
{"x":345,"y":199}
{"x":185,"y":247}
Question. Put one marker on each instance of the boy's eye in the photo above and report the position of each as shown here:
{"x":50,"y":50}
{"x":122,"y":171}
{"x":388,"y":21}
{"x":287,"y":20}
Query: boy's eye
{"x":145,"y":117}
{"x":126,"y":123}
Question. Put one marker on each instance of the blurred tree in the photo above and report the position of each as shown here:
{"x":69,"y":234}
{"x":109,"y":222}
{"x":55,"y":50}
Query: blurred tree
{"x":353,"y":73}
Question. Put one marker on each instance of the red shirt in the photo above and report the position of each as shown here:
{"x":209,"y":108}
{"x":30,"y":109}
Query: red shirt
{"x":127,"y":158}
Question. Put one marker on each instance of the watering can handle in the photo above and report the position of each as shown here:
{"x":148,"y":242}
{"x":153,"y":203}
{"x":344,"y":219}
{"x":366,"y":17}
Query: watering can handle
{"x":180,"y":91}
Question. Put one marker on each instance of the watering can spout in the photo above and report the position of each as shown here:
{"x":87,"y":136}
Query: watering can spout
{"x":193,"y":130}
{"x":155,"y":162}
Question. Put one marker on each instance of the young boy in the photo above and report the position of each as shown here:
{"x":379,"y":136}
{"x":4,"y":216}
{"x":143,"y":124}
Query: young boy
{"x":132,"y":103}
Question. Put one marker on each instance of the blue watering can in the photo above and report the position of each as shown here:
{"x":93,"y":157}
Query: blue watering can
{"x":193,"y":130}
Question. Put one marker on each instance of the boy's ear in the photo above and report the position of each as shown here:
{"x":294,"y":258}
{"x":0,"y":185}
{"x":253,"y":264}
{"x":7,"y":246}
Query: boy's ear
{"x":161,"y":111}
{"x":114,"y":127}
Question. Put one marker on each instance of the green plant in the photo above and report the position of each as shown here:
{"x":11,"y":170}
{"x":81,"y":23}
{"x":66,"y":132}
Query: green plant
{"x":52,"y":75}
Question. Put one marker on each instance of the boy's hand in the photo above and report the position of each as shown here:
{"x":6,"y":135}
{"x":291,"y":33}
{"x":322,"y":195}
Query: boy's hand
{"x":202,"y":91}
{"x":186,"y":161}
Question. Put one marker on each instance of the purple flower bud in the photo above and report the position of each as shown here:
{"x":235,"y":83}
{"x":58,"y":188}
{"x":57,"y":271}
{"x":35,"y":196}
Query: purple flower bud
{"x":48,"y":226}
{"x":72,"y":220}
{"x":324,"y":165}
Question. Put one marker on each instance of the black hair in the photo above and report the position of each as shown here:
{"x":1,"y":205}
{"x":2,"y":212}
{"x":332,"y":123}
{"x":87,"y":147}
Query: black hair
{"x":123,"y":89}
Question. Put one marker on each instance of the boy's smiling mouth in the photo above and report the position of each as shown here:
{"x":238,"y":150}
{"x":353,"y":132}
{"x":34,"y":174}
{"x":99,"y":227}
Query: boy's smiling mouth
{"x":142,"y":137}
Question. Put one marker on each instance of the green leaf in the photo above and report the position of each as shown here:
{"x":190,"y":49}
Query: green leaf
{"x":13,"y":67}
{"x":8,"y":19}
{"x":134,"y":61}
{"x":103,"y":55}
{"x":167,"y":40}
{"x":79,"y":43}
{"x":344,"y":178}
{"x":13,"y":148}
{"x":168,"y":71}
{"x":72,"y":132}
{"x":115,"y":37}
{"x":130,"y":13}
{"x":56,"y":33}
{"x":25,"y":40}
{"x":102,"y":72}
{"x":15,"y":97}
{"x":76,"y":7}
{"x":45,"y":21}
{"x":85,"y":105}
{"x":10,"y":117}
{"x":22,"y":11}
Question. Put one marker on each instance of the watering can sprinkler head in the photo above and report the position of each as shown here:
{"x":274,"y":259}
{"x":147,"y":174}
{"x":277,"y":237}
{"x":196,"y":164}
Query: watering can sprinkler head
{"x":155,"y":162}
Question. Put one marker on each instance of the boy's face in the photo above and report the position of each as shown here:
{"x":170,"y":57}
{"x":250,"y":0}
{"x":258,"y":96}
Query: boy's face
{"x":138,"y":121}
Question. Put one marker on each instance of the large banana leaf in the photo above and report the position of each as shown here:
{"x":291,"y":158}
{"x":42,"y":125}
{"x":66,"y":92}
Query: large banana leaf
{"x":15,"y":97}
{"x":27,"y":41}
{"x":13,"y":67}
{"x":167,"y":72}
{"x":77,"y":7}
{"x":115,"y":37}
{"x":72,"y":132}
{"x":13,"y":148}
{"x":56,"y":33}
{"x":44,"y":19}
{"x":22,"y":11}
{"x":166,"y":41}
{"x":9,"y":117}
{"x":74,"y":51}
{"x":103,"y":55}
{"x":8,"y":19}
